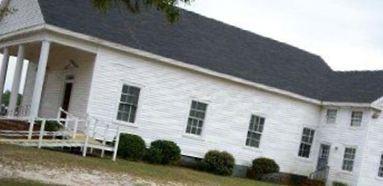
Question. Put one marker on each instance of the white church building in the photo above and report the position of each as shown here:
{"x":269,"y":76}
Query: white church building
{"x":201,"y":83}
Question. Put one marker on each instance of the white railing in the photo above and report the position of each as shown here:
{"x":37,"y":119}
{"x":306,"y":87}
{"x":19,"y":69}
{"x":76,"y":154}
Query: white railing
{"x":103,"y":129}
{"x":320,"y":174}
{"x":21,"y":111}
{"x":99,"y":129}
{"x":66,"y":121}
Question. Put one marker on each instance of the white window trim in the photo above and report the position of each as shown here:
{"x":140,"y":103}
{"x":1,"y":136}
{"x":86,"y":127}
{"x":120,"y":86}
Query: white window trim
{"x":361,"y":121}
{"x":354,"y":161}
{"x":139,"y":104}
{"x":378,"y":163}
{"x":336,"y":117}
{"x":200,"y":137}
{"x":259,"y":114}
{"x":310,"y":158}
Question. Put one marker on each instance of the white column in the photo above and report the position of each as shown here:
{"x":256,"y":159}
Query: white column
{"x":39,"y":82}
{"x":16,"y":81}
{"x":3,"y":72}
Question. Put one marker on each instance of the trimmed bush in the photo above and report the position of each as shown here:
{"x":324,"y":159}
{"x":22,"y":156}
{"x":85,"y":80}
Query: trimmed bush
{"x":131,"y":147}
{"x":50,"y":126}
{"x":153,"y":155}
{"x":216,"y":162}
{"x":167,"y":151}
{"x":336,"y":183}
{"x":262,"y":166}
{"x":290,"y":179}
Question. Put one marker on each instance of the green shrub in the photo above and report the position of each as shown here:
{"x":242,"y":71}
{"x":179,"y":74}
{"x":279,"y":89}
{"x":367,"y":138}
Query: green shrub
{"x":216,"y":162}
{"x":153,"y":155}
{"x":50,"y":126}
{"x":167,"y":151}
{"x":336,"y":183}
{"x":131,"y":147}
{"x":290,"y":179}
{"x":262,"y":166}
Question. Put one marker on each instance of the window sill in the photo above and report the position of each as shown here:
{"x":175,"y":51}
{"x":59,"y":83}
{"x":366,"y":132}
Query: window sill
{"x":346,"y":172}
{"x":330,"y":124}
{"x":193,"y":137}
{"x":126,"y":124}
{"x":254,"y":149}
{"x":355,"y":127}
{"x":379,"y":178}
{"x":303,"y":159}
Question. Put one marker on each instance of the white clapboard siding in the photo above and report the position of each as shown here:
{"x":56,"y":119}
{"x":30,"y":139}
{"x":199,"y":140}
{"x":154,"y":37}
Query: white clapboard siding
{"x":341,"y":135}
{"x":166,"y":95}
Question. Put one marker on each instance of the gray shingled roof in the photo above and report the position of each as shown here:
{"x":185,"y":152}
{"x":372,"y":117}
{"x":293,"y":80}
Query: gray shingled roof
{"x":219,"y":47}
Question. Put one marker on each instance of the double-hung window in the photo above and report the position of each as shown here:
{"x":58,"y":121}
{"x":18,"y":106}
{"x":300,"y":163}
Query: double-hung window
{"x":331,"y":116}
{"x":255,"y":131}
{"x":306,"y":142}
{"x":348,"y":159}
{"x":196,"y":118}
{"x":127,"y":107}
{"x":356,"y":118}
{"x":380,"y":171}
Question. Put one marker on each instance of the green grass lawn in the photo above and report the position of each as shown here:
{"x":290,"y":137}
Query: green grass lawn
{"x":157,"y":173}
{"x":20,"y":182}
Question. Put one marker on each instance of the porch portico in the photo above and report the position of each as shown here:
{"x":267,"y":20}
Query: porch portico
{"x":58,"y":76}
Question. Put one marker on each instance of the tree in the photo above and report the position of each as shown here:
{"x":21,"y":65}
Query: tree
{"x":5,"y":9}
{"x":168,"y":7}
{"x":6,"y":97}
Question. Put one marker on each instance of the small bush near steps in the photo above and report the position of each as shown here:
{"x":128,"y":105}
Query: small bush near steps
{"x":131,"y":147}
{"x":51,"y":126}
{"x":216,"y":162}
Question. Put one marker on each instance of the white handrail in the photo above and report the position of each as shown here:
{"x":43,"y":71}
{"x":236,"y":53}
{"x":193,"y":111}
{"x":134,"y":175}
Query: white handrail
{"x":61,"y":110}
{"x":107,"y":125}
{"x":69,"y":117}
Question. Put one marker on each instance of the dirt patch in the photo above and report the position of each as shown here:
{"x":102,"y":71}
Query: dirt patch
{"x":69,"y":176}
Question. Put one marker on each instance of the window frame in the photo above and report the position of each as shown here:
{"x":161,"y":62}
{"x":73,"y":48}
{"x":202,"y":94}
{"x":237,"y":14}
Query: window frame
{"x":139,"y":104}
{"x":352,"y":118}
{"x":349,"y":159}
{"x":380,"y":167}
{"x":334,"y":121}
{"x":257,"y":132}
{"x":198,"y":136}
{"x":301,"y":142}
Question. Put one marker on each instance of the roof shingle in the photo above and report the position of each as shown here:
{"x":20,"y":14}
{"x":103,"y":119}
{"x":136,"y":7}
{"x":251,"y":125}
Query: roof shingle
{"x":213,"y":45}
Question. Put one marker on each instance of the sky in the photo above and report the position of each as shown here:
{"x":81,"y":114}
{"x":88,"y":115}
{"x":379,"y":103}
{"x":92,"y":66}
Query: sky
{"x":347,"y":34}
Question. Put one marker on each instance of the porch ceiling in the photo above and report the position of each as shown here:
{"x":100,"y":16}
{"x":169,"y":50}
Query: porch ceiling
{"x":32,"y":52}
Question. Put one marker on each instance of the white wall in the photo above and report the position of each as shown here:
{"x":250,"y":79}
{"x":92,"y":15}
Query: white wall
{"x":54,"y":82}
{"x":165,"y":101}
{"x":341,"y":135}
{"x":371,"y":156}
